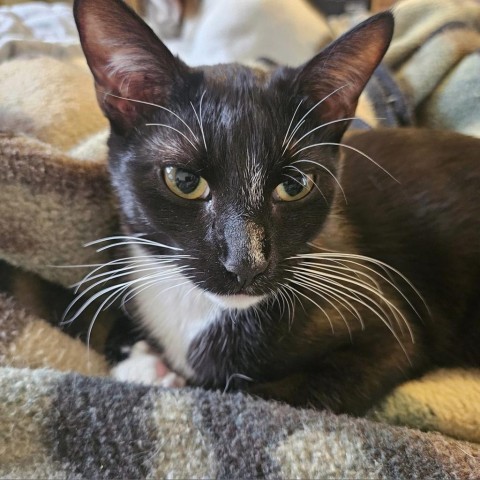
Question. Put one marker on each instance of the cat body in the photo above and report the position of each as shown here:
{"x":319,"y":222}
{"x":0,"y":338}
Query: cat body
{"x":259,"y":258}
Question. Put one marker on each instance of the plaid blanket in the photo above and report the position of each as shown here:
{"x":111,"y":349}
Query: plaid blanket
{"x":62,"y":417}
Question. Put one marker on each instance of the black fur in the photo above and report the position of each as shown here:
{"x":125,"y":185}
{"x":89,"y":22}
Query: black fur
{"x":425,"y":226}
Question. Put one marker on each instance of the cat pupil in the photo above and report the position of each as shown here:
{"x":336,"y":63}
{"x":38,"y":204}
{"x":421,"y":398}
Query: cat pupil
{"x":294,"y":187}
{"x":186,"y":181}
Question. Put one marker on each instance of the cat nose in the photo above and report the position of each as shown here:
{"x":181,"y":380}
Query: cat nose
{"x":245,"y":273}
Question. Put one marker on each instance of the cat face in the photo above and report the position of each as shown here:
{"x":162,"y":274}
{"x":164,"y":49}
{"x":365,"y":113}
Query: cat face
{"x":234,"y":166}
{"x":223,"y":187}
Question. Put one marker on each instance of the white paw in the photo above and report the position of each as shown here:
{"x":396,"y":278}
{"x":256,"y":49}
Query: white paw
{"x":146,"y":367}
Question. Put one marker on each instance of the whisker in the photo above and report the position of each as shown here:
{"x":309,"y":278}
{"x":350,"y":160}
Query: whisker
{"x":133,"y":292}
{"x":289,"y":303}
{"x":365,"y":304}
{"x":135,"y":241}
{"x":322,"y":295}
{"x":343,"y":270}
{"x":385,"y":279}
{"x":322,"y":144}
{"x":338,"y":120}
{"x":200,"y":119}
{"x":378,"y":293}
{"x":291,"y":121}
{"x":162,"y":277}
{"x":304,"y":175}
{"x":304,"y":160}
{"x":346,"y":257}
{"x":329,"y":290}
{"x":172,"y":128}
{"x":277,"y":296}
{"x":112,"y":275}
{"x":153,"y":105}
{"x":302,"y":120}
{"x":332,"y":292}
{"x":94,"y":297}
{"x":131,"y":265}
{"x":315,"y":303}
{"x":107,"y":303}
{"x":170,"y":288}
{"x":236,"y":375}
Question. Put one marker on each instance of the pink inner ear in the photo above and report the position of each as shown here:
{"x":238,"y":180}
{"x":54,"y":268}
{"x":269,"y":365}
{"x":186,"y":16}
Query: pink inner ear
{"x":339,"y":74}
{"x":340,"y":102}
{"x":126,"y":58}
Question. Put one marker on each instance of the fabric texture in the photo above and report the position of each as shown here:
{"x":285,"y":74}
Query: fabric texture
{"x":62,"y":417}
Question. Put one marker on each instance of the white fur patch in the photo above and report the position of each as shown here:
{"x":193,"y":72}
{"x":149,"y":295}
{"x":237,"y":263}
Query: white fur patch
{"x":146,"y":367}
{"x":256,"y":236}
{"x":175,"y":311}
{"x":238,"y":302}
{"x":254,"y":181}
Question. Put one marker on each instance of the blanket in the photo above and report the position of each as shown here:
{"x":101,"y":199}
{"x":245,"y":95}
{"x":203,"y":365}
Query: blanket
{"x":61,"y":416}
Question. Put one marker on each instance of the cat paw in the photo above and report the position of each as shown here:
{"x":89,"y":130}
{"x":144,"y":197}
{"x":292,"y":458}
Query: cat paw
{"x":146,"y":367}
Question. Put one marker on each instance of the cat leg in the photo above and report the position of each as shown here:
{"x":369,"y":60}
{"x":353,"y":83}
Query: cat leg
{"x":147,"y":367}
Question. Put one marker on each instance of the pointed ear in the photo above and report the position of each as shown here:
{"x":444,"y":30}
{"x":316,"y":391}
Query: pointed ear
{"x":338,"y":74}
{"x":126,"y":58}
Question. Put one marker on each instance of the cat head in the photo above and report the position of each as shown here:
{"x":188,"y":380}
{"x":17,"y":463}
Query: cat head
{"x":235,"y":166}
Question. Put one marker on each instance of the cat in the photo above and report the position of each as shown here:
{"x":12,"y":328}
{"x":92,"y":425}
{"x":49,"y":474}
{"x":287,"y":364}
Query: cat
{"x":260,"y":258}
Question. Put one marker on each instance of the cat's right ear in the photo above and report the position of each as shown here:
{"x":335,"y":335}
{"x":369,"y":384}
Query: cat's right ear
{"x":130,"y":65}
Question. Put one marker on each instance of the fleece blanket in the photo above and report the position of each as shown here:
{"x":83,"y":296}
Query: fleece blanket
{"x":62,"y":417}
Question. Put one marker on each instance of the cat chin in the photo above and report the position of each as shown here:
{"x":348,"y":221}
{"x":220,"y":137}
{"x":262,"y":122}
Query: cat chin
{"x":237,"y":302}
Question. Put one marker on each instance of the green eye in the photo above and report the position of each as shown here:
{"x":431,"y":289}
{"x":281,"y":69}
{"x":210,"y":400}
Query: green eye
{"x":294,"y":188}
{"x":186,"y":184}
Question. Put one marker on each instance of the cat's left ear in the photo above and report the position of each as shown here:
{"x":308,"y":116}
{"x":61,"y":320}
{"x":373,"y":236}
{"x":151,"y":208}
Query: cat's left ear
{"x":130,"y":65}
{"x":338,"y":74}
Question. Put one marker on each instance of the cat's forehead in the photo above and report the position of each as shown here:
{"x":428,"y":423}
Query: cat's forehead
{"x":239,"y":92}
{"x":239,"y":107}
{"x":235,"y":75}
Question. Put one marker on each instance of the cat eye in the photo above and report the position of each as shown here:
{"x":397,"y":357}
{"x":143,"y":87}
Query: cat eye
{"x":186,"y":184}
{"x":294,"y":188}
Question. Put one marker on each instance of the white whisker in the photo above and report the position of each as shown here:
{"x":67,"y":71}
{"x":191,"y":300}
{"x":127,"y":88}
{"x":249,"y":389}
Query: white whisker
{"x":304,"y":160}
{"x":324,"y":295}
{"x":289,"y":302}
{"x":322,"y":144}
{"x":171,"y":273}
{"x":174,"y":129}
{"x":366,"y":298}
{"x":302,"y":120}
{"x":236,"y":375}
{"x":330,"y":290}
{"x":315,"y":303}
{"x":363,"y":274}
{"x":97,"y":295}
{"x":134,"y":240}
{"x":112,"y":298}
{"x":200,"y":119}
{"x":157,"y":106}
{"x":325,"y":277}
{"x":338,"y":120}
{"x":310,"y":180}
{"x":291,"y":121}
{"x":346,"y":257}
{"x":131,"y":265}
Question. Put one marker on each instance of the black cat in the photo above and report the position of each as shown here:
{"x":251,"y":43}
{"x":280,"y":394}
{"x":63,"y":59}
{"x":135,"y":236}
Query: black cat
{"x":259,"y":258}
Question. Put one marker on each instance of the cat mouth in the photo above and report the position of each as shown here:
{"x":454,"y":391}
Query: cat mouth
{"x":237,"y":301}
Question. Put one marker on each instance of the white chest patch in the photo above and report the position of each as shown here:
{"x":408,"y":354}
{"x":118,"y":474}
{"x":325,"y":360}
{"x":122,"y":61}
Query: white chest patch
{"x":174,"y":311}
